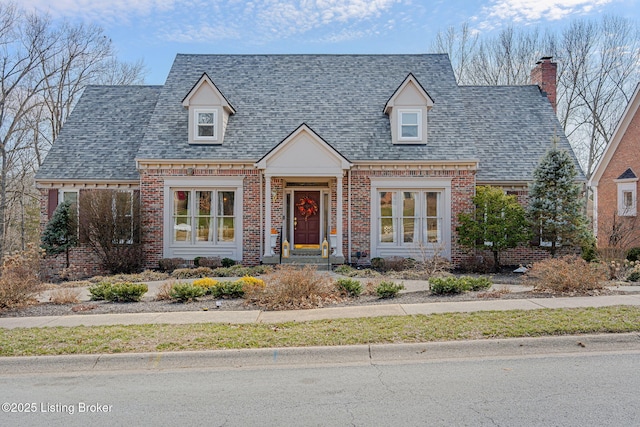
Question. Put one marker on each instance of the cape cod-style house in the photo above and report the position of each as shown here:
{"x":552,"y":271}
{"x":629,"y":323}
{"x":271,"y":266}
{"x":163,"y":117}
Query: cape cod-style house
{"x":236,"y":154}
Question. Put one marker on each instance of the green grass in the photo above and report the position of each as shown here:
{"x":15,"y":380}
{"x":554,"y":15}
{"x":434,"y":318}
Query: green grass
{"x":395,"y":329}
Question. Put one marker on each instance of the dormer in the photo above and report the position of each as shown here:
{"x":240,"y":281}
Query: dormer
{"x":407,"y":110}
{"x":209,"y":112}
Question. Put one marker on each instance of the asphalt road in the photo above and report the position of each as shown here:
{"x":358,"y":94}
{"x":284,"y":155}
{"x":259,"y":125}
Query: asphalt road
{"x":581,"y":387}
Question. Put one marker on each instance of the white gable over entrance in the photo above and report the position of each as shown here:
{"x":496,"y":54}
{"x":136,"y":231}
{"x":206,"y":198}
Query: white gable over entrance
{"x":303,"y":153}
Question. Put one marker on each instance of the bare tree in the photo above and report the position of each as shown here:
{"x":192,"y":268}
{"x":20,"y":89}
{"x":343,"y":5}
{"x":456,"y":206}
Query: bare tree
{"x":43,"y":71}
{"x":26,"y":40}
{"x":598,"y":67}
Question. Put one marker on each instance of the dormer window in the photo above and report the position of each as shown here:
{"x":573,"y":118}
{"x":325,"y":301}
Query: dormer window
{"x":209,"y":112}
{"x":410,"y":122}
{"x":206,"y":125}
{"x":407,"y":110}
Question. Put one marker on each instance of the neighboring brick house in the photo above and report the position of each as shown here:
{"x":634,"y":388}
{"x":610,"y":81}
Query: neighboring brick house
{"x":615,"y":183}
{"x":377,"y":154}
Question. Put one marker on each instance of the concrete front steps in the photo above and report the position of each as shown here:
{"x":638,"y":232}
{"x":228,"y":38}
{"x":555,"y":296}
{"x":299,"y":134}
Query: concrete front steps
{"x":305,"y":257}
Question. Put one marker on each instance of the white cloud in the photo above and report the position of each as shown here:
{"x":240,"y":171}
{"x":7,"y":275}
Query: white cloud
{"x":204,"y":20}
{"x":99,"y":10}
{"x":536,"y":10}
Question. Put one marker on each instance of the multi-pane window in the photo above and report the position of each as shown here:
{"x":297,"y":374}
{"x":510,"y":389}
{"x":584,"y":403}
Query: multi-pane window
{"x":410,"y":121}
{"x":410,"y":217}
{"x":205,"y":124}
{"x":203,"y":215}
{"x":627,"y":199}
{"x":123,"y":216}
{"x":70,"y":196}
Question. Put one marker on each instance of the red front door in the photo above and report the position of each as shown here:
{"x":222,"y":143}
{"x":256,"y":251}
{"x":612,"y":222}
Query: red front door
{"x":306,"y":218}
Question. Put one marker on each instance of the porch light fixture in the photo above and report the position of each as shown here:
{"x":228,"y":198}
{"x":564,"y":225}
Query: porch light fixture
{"x":274,"y":195}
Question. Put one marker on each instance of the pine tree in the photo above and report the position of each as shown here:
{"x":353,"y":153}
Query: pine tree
{"x":498,"y":223}
{"x":555,"y":204}
{"x":61,"y":232}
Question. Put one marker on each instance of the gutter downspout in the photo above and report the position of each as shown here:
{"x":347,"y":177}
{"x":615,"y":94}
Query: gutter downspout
{"x":349,"y":216}
{"x":261,"y":227}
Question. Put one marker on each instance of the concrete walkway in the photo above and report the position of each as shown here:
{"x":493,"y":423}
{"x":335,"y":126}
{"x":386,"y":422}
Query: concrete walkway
{"x":258,"y":316}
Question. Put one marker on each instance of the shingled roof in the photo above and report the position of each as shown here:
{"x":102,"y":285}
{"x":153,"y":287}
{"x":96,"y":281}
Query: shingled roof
{"x":341,"y":97}
{"x":100,"y":139}
{"x":513,"y":127}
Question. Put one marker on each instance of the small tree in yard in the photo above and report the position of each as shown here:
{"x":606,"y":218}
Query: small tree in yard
{"x":61,"y":232}
{"x":555,"y":203}
{"x":110,"y":226}
{"x":497,"y":223}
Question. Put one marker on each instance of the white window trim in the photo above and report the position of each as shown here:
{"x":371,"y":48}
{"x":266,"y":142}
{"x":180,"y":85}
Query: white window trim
{"x":625,"y":187}
{"x":205,"y":139}
{"x":416,"y":111}
{"x":413,"y":250}
{"x":188,"y":250}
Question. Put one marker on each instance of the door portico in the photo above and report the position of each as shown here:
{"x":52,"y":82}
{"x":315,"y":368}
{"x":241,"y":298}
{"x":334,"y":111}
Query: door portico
{"x":303,"y":157}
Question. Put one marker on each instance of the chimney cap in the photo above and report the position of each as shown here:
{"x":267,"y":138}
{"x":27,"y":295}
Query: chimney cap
{"x":544,"y":59}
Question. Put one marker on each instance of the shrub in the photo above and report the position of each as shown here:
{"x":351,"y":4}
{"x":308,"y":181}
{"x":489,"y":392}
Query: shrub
{"x":184,"y":292}
{"x":566,"y":275}
{"x":344,"y":269}
{"x":99,"y":291}
{"x":126,"y":292}
{"x":19,"y":278}
{"x":395,"y":263}
{"x":388,"y":289}
{"x":110,"y":226}
{"x":228,"y":262}
{"x":633,"y":254}
{"x":64,"y":296}
{"x":227,"y":289}
{"x":169,"y":264}
{"x":251,"y":284}
{"x":206,"y":283}
{"x":350,"y":287}
{"x":289,"y":287}
{"x":377,"y":263}
{"x":239,"y":270}
{"x":213,"y":262}
{"x":191,"y":273}
{"x":456,"y":285}
{"x":634,"y":276}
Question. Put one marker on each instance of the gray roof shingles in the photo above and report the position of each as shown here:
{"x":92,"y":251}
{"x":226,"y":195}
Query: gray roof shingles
{"x":100,"y":139}
{"x":341,"y":97}
{"x":513,"y":127}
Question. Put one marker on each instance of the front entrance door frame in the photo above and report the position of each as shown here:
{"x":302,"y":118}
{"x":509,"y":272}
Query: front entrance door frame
{"x":324,"y":210}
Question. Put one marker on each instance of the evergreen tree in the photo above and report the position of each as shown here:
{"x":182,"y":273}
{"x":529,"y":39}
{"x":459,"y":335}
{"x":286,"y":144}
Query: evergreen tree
{"x":555,"y":203}
{"x":498,"y":223}
{"x":61,"y":232}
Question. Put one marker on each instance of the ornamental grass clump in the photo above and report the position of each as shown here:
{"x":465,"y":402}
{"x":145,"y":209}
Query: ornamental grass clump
{"x":291,"y":287}
{"x":567,"y":275}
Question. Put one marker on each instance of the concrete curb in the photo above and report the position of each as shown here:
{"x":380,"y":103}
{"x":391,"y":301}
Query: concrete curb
{"x":323,"y":356}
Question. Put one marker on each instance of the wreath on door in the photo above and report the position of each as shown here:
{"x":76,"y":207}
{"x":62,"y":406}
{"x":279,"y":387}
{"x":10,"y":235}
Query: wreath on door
{"x":307,"y":207}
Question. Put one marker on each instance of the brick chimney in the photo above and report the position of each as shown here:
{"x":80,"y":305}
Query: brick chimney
{"x":544,"y":75}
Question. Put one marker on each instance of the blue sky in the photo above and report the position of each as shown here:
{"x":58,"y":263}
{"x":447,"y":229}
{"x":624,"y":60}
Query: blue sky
{"x":155,"y":30}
